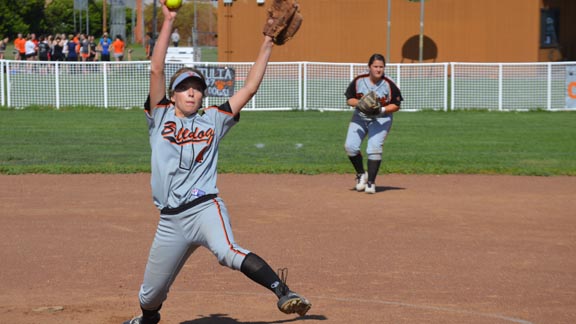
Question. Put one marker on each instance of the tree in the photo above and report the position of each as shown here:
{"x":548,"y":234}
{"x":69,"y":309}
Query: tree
{"x":21,"y":17}
{"x":60,"y":16}
{"x":207,"y":18}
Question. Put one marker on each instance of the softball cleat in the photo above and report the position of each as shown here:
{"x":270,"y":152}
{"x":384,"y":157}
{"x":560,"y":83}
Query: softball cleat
{"x":294,"y":303}
{"x":361,"y":180}
{"x":370,"y":188}
{"x":140,"y":320}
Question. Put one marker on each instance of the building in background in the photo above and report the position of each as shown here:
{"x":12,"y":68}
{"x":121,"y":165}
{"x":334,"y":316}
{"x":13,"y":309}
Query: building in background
{"x":451,"y":30}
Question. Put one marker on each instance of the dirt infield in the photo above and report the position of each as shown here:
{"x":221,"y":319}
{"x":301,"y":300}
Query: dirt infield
{"x":423,"y":249}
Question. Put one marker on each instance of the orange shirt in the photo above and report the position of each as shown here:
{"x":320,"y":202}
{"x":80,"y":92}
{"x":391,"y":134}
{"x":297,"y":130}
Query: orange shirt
{"x":20,"y":44}
{"x":118,"y":46}
{"x":77,"y":41}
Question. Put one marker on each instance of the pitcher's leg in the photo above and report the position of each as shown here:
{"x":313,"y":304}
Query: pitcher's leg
{"x":218,"y":237}
{"x":168,"y":254}
{"x":215,"y":233}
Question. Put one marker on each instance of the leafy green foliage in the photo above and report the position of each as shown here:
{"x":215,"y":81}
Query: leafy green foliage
{"x":206,"y":22}
{"x":20,"y":17}
{"x":59,"y":16}
{"x":53,"y":17}
{"x":58,"y":13}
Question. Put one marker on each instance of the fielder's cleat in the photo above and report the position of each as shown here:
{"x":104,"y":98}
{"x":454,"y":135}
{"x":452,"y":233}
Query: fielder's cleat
{"x":294,"y":303}
{"x":370,"y":188}
{"x":140,"y":320}
{"x":361,"y":180}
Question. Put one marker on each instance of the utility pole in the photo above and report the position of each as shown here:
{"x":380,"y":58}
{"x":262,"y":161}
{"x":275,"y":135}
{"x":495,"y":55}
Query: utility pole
{"x":104,"y":8}
{"x":195,"y":32}
{"x":154,"y":27}
{"x":421,"y":45}
{"x":87,"y":19}
{"x":389,"y":31}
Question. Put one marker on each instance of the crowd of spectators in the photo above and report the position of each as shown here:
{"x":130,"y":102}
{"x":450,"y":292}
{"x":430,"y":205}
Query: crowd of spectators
{"x":59,"y":47}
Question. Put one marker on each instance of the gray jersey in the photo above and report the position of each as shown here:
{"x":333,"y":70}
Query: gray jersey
{"x":386,"y":89}
{"x":375,"y":127}
{"x":185,"y":152}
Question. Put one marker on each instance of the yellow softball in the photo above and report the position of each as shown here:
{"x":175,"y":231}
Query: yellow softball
{"x":173,"y":4}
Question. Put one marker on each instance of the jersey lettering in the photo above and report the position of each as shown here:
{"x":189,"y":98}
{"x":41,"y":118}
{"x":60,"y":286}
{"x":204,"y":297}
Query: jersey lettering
{"x":186,"y":136}
{"x":183,"y":137}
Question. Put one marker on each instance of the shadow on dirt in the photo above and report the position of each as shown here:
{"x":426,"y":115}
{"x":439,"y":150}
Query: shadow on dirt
{"x":383,"y":188}
{"x":224,"y":319}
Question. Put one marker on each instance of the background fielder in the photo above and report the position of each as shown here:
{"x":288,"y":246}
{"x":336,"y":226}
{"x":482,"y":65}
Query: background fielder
{"x":376,"y":126}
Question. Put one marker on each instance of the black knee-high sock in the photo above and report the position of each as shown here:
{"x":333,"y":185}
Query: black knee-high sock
{"x":260,"y":272}
{"x":146,"y":314}
{"x":373,"y":167}
{"x":358,"y":163}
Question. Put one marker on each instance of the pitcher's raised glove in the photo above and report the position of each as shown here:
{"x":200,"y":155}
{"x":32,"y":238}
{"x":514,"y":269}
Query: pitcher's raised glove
{"x":369,"y":104}
{"x":283,"y":21}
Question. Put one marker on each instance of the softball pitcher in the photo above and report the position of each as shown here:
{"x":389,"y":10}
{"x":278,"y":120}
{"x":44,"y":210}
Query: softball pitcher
{"x":184,"y":159}
{"x":376,"y":126}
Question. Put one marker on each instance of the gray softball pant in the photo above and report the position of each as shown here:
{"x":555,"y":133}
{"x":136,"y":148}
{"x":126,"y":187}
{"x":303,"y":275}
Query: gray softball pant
{"x":376,"y":128}
{"x":177,"y":237}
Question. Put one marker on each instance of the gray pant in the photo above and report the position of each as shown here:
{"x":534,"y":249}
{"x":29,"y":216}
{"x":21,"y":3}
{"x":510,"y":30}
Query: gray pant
{"x":177,"y":237}
{"x":376,"y":128}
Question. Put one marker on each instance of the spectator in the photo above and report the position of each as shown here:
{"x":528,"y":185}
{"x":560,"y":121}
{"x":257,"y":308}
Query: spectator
{"x":118,"y":45}
{"x":150,"y":42}
{"x":84,"y":48}
{"x":58,"y":48}
{"x":92,"y":46}
{"x":104,"y":47}
{"x":43,"y":49}
{"x":71,"y":46}
{"x":20,"y":46}
{"x":3,"y":44}
{"x":64,"y":46}
{"x":30,"y":48}
{"x":34,"y":39}
{"x":77,"y":41}
{"x":50,"y":40}
{"x":175,"y":37}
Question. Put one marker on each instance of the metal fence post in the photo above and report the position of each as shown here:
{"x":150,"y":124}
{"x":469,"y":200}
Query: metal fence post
{"x":500,"y":74}
{"x":452,"y":85}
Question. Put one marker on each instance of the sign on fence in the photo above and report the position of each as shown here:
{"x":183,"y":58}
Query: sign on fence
{"x":220,"y":80}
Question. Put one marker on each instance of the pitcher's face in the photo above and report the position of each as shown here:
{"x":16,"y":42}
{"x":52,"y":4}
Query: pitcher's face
{"x":187,"y":98}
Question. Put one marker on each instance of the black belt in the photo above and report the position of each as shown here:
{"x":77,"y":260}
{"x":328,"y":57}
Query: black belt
{"x":188,"y":205}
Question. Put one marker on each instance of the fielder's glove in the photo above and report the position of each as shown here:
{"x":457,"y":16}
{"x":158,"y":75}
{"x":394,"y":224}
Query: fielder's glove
{"x":283,"y":21}
{"x":369,"y":104}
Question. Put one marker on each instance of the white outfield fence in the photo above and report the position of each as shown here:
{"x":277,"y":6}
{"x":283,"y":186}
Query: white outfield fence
{"x":302,"y":85}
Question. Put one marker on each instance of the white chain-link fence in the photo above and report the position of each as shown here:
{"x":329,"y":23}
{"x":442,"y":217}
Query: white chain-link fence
{"x":301,"y":85}
{"x":513,"y":86}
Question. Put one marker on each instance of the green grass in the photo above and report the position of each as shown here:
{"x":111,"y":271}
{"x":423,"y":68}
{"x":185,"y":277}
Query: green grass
{"x":95,"y":140}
